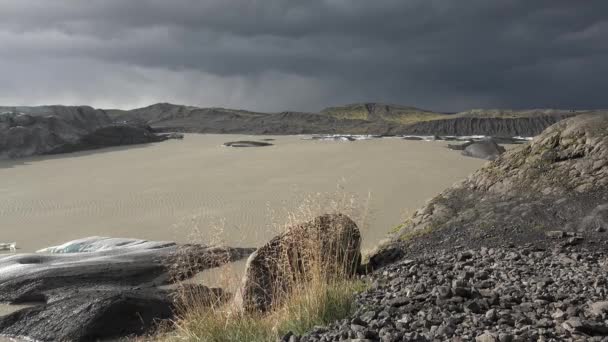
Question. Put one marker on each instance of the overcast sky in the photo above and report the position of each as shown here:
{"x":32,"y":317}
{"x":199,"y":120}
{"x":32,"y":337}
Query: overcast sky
{"x":275,"y":55}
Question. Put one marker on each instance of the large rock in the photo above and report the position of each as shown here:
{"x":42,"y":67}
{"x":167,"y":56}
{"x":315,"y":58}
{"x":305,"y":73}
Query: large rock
{"x":559,"y":181}
{"x":99,"y":287}
{"x":486,"y":149}
{"x":331,"y":240}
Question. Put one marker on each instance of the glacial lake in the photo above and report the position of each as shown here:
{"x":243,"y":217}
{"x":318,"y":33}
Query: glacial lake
{"x":197,"y":190}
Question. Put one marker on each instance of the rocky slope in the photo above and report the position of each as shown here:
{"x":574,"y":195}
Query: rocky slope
{"x":164,"y":117}
{"x":27,"y":131}
{"x":381,"y":112}
{"x":364,"y":118}
{"x":557,"y":182}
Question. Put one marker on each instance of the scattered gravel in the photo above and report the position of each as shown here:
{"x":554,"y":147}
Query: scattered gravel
{"x":496,"y":294}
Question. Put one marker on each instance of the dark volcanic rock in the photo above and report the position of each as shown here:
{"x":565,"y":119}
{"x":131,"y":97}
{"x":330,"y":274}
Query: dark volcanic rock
{"x":27,"y":131}
{"x":485,"y":149}
{"x":497,"y":294}
{"x":112,"y":135}
{"x":90,"y":315}
{"x":92,"y":291}
{"x":272,"y":269}
{"x":247,"y":143}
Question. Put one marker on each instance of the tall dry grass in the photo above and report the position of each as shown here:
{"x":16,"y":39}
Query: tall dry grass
{"x":315,"y":283}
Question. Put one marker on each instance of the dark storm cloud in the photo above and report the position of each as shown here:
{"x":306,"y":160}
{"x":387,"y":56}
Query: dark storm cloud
{"x":275,"y":55}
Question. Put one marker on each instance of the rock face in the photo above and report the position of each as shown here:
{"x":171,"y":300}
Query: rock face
{"x":332,"y":240}
{"x":486,"y":149}
{"x":491,"y":126}
{"x":27,"y":131}
{"x":560,"y":179}
{"x":99,"y":287}
{"x":527,"y":293}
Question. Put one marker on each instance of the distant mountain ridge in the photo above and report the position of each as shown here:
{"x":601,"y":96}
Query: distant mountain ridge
{"x":26,"y":131}
{"x":358,"y":118}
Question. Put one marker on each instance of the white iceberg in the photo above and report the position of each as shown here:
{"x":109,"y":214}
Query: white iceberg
{"x":100,"y":244}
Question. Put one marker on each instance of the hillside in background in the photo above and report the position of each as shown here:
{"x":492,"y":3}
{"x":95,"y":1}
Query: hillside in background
{"x":26,"y":131}
{"x":362,"y":118}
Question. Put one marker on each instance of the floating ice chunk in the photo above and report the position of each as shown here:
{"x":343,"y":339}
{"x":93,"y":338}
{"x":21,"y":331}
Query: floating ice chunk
{"x":12,"y":246}
{"x":341,"y":137}
{"x":99,"y":243}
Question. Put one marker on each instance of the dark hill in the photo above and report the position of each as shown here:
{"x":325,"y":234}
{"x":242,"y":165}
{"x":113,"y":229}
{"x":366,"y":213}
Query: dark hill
{"x":27,"y":131}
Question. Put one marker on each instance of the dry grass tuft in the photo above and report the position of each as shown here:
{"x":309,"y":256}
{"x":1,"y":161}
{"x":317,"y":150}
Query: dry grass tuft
{"x":317,"y":283}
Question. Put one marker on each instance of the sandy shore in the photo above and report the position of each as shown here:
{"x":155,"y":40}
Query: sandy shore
{"x":167,"y":191}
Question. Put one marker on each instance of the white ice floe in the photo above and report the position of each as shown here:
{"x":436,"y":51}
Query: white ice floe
{"x":341,"y":137}
{"x":88,"y":252}
{"x":354,"y":137}
{"x":464,"y":137}
{"x":98,"y":244}
{"x":421,"y":137}
{"x":12,"y":246}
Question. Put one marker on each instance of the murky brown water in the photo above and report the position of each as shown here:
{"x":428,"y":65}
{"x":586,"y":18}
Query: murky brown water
{"x":166,"y":191}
